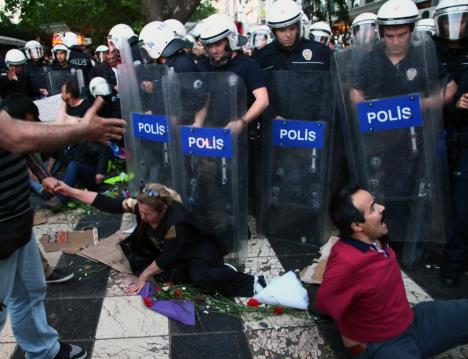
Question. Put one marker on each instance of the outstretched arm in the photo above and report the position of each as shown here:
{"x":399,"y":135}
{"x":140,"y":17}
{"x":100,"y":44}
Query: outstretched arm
{"x":21,"y":136}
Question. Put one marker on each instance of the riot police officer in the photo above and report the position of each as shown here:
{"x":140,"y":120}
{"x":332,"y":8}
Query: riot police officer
{"x":451,"y":17}
{"x":60,"y":56}
{"x":77,"y":58}
{"x":160,"y":44}
{"x":289,"y":50}
{"x":36,"y":69}
{"x":101,"y":53}
{"x":222,"y":41}
{"x":14,"y":79}
{"x":321,"y":32}
{"x":124,"y":32}
{"x":456,"y":248}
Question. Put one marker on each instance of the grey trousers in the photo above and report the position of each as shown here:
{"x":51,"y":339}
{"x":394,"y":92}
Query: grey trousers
{"x":437,"y":327}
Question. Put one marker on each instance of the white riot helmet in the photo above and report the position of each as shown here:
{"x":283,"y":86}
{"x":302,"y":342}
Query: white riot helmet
{"x":118,"y":32}
{"x":426,"y":25}
{"x":260,"y":37}
{"x":364,"y":28}
{"x":15,"y":57}
{"x":178,"y":28}
{"x":158,"y":39}
{"x":283,"y":13}
{"x":219,"y":26}
{"x":101,"y":52}
{"x":70,"y":39}
{"x":60,"y":47}
{"x":99,"y":86}
{"x":451,"y":19}
{"x":321,"y":32}
{"x":33,"y":50}
{"x":397,"y":12}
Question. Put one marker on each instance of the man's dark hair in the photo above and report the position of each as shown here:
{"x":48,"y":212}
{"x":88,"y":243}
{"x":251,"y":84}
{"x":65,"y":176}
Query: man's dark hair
{"x":19,"y":105}
{"x":71,"y":87}
{"x":342,"y":210}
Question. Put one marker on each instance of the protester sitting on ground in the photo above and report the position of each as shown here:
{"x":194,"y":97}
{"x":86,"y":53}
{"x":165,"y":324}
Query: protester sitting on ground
{"x":168,"y":244}
{"x":362,"y":289}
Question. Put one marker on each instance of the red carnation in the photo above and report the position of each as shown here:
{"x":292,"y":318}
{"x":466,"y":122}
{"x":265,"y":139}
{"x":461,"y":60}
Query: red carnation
{"x":148,"y":302}
{"x":279,"y":310}
{"x":178,"y":293}
{"x":252,"y":302}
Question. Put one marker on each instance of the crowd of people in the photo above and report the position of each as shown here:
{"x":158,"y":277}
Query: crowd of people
{"x":362,"y":286}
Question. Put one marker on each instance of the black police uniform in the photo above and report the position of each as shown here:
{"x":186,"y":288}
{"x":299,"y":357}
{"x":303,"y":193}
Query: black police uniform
{"x":181,"y":62}
{"x":453,"y":61}
{"x":249,"y":71}
{"x":37,"y":77}
{"x":307,"y":55}
{"x":81,"y":61}
{"x":397,"y":157}
{"x":456,"y":248}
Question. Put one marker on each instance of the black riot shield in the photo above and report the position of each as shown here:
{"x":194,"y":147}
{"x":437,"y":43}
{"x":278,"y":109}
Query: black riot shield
{"x":147,"y":138}
{"x":211,"y":170}
{"x":297,"y":157}
{"x":56,"y":79}
{"x":391,"y":121}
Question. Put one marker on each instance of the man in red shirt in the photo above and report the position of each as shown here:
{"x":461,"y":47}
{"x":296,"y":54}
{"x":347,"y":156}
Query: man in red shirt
{"x":362,"y":289}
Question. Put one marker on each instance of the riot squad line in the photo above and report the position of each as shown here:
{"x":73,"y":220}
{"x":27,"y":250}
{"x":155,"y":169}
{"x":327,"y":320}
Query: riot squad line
{"x":221,"y":126}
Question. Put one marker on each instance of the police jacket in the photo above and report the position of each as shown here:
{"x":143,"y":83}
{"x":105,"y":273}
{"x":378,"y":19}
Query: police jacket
{"x":37,"y":77}
{"x":178,"y":237}
{"x":307,"y":55}
{"x":9,"y":87}
{"x":452,"y":61}
{"x":459,"y":117}
{"x":79,"y":60}
{"x":406,"y":77}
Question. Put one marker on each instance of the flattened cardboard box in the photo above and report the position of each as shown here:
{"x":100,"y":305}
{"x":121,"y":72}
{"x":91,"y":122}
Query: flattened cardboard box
{"x":70,"y":242}
{"x":108,"y":252}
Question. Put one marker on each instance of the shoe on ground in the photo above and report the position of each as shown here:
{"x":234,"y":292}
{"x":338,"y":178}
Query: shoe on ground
{"x":71,"y":351}
{"x":449,"y":280}
{"x":260,"y":283}
{"x":59,"y":276}
{"x":54,"y":204}
{"x":231,"y":266}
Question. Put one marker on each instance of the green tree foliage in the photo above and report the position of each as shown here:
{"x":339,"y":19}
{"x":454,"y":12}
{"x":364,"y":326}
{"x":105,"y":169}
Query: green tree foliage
{"x":91,"y":18}
{"x":204,"y":9}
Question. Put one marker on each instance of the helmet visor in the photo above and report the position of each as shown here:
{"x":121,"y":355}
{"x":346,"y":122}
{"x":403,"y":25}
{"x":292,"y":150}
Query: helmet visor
{"x":365,"y":33}
{"x":101,"y":56}
{"x":452,"y":26}
{"x":35,"y":53}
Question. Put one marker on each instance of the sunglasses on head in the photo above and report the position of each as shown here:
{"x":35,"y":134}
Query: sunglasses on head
{"x":150,"y":192}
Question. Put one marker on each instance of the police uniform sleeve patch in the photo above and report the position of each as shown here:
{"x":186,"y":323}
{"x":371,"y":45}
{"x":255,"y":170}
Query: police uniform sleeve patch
{"x":129,"y":204}
{"x":411,"y":73}
{"x":307,"y":54}
{"x":170,"y":233}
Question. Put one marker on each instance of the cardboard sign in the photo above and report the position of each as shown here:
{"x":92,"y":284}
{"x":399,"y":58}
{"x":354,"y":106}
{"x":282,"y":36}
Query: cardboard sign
{"x":49,"y":108}
{"x":295,"y":133}
{"x":150,"y":127}
{"x":206,"y":142}
{"x":108,"y":252}
{"x":69,"y":242}
{"x":391,"y":113}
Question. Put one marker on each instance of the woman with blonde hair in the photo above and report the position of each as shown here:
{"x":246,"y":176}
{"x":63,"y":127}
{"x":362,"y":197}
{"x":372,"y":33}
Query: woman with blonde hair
{"x":167,"y":243}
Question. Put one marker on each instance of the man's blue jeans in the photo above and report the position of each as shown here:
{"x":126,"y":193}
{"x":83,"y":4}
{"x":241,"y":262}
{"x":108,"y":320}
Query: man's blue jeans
{"x":437,"y":327}
{"x":78,"y":173}
{"x":22,"y":290}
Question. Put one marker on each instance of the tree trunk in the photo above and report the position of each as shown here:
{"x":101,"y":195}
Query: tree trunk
{"x":161,"y":10}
